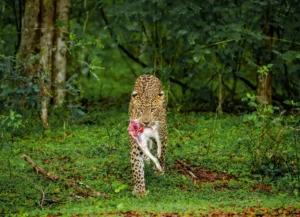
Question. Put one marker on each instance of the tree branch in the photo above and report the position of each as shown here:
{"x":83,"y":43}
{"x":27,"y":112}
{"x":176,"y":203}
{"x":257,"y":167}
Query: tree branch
{"x":190,"y":169}
{"x":132,"y":57}
{"x":248,"y":83}
{"x":183,"y":85}
{"x":18,"y":24}
{"x":122,"y":48}
{"x":68,"y":182}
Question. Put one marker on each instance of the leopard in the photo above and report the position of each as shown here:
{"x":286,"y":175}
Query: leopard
{"x":148,"y":107}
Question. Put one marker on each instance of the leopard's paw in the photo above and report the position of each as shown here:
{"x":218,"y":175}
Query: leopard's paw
{"x":140,"y":194}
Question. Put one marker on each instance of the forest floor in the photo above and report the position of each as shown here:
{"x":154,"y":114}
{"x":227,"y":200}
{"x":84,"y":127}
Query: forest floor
{"x":209,"y":170}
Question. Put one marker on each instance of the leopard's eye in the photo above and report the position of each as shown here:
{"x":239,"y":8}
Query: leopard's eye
{"x":140,"y":110}
{"x":161,"y":93}
{"x":134,"y":94}
{"x":153,"y":109}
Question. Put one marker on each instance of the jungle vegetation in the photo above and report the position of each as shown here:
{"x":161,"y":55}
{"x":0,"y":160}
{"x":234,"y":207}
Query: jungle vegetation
{"x":231,"y":73}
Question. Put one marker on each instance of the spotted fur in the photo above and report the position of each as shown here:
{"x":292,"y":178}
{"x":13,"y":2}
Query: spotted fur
{"x":148,"y":106}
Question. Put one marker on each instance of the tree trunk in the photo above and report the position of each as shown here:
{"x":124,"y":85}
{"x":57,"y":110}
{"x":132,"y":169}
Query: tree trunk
{"x":264,"y":88}
{"x":220,"y":95}
{"x":46,"y":45}
{"x":38,"y":39}
{"x":264,"y":80}
{"x":29,"y":38}
{"x":60,"y":54}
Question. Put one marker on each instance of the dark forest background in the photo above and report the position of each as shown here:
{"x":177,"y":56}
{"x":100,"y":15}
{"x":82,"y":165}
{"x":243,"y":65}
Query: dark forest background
{"x":209,"y":54}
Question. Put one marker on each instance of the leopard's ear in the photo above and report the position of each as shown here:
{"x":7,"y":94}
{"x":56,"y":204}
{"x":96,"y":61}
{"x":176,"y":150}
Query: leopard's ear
{"x":134,"y":94}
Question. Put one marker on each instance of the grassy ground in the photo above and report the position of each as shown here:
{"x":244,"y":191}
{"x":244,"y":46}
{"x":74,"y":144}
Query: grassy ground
{"x":94,"y":151}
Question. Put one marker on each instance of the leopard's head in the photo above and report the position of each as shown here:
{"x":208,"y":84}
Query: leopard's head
{"x":147,"y":103}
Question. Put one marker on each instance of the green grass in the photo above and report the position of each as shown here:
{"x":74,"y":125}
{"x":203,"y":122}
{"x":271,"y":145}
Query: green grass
{"x":98,"y":156}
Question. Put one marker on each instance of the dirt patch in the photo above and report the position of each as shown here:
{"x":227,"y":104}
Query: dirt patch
{"x":261,"y":187}
{"x":131,"y":214}
{"x":253,"y":211}
{"x":200,"y":175}
{"x":126,"y":214}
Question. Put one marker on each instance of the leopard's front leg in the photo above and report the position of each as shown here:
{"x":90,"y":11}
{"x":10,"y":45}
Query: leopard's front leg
{"x":137,"y":167}
{"x":163,"y":140}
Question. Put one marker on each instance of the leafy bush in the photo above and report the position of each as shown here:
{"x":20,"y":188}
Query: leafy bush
{"x":272,"y":144}
{"x":21,"y":94}
{"x":17,"y":91}
{"x":11,"y":122}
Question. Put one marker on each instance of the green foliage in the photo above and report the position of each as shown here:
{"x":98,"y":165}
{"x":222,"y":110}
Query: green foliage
{"x":11,"y":122}
{"x":18,"y":90}
{"x":262,"y":113}
{"x":264,"y":70}
{"x":188,"y":43}
{"x":119,"y":186}
{"x":272,"y":144}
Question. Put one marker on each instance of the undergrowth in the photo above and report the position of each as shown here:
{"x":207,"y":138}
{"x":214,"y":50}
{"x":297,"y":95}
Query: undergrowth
{"x":93,"y":150}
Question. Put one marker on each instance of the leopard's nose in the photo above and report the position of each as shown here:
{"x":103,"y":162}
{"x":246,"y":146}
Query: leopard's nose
{"x":146,"y":123}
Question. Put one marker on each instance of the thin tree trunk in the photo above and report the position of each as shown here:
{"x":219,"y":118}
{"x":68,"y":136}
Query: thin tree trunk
{"x":233,"y":87}
{"x":60,"y":54}
{"x":46,"y":44}
{"x":29,"y":44}
{"x":264,"y":88}
{"x":220,"y":95}
{"x":264,"y":80}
